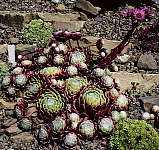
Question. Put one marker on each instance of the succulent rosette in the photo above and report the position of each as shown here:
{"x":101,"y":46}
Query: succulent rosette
{"x":105,"y":125}
{"x":70,"y":140}
{"x":50,"y":102}
{"x":92,"y":101}
{"x":70,"y":93}
{"x":87,"y":128}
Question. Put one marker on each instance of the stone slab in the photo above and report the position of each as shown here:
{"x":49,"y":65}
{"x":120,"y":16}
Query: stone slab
{"x":146,"y":81}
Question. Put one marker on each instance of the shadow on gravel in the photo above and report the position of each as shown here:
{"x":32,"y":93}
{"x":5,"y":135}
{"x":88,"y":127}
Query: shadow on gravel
{"x":114,"y":4}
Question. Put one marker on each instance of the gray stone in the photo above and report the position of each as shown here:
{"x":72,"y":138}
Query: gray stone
{"x":49,"y":17}
{"x":15,"y":19}
{"x":25,"y":49}
{"x":87,"y":6}
{"x":146,"y":81}
{"x":14,"y":40}
{"x":9,"y":122}
{"x":148,"y":102}
{"x":71,"y":26}
{"x":83,"y":16}
{"x":147,"y":62}
{"x":3,"y":48}
{"x":13,"y":129}
{"x":60,"y":7}
{"x":124,"y":58}
{"x":22,"y":137}
{"x":3,"y":27}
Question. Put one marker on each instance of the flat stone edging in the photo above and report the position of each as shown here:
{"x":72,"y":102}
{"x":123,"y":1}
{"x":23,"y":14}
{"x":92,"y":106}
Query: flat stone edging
{"x":146,"y":81}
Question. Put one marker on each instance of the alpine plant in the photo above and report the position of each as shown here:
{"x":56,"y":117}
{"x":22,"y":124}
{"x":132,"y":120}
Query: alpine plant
{"x":73,"y":95}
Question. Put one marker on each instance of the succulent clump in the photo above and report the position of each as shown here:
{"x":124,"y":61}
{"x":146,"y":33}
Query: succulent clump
{"x":75,"y":84}
{"x":20,"y":80}
{"x":33,"y":88}
{"x":87,"y":128}
{"x":124,"y":137}
{"x":93,"y":97}
{"x":37,"y":31}
{"x":58,"y":124}
{"x":50,"y":71}
{"x":77,"y":58}
{"x":106,"y":125}
{"x":4,"y":70}
{"x":51,"y":102}
{"x":70,"y":140}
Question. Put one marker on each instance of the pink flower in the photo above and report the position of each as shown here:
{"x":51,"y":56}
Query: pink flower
{"x":148,"y":12}
{"x":139,"y":14}
{"x":127,"y":12}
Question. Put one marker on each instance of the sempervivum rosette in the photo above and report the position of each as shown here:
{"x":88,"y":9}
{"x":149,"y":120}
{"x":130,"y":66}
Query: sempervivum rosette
{"x":50,"y":102}
{"x":33,"y":88}
{"x":51,"y":71}
{"x":58,"y":124}
{"x":70,"y":140}
{"x":25,"y":123}
{"x":20,"y":80}
{"x":105,"y":125}
{"x":87,"y":128}
{"x":75,"y":84}
{"x":122,"y":102}
{"x":6,"y":81}
{"x":92,"y":100}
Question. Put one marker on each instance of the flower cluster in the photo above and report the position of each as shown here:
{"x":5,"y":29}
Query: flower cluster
{"x":138,"y":14}
{"x":63,"y":36}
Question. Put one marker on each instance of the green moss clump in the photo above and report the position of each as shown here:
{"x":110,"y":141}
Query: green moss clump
{"x":134,"y":135}
{"x":37,"y":31}
{"x":4,"y":70}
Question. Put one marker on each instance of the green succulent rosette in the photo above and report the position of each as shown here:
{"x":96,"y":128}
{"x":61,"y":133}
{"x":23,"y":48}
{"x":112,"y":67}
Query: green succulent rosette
{"x":77,"y":58}
{"x":50,"y":71}
{"x":93,"y":97}
{"x":33,"y":88}
{"x":75,"y":84}
{"x":51,"y":102}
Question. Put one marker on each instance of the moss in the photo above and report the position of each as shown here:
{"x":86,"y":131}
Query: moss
{"x":37,"y":31}
{"x":134,"y":135}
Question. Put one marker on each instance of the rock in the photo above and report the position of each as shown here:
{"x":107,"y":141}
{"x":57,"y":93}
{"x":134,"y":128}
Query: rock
{"x":22,"y":137}
{"x":25,"y":49}
{"x":49,"y":17}
{"x":56,"y":1}
{"x":123,"y":59}
{"x":3,"y":27}
{"x":98,"y":9}
{"x":71,"y":26}
{"x":87,"y":6}
{"x":8,"y":105}
{"x":32,"y":111}
{"x":10,"y":122}
{"x":70,"y":1}
{"x":83,"y":16}
{"x":63,"y":21}
{"x":146,"y":81}
{"x":16,"y":19}
{"x":3,"y":48}
{"x":148,"y":102}
{"x":14,"y":40}
{"x":13,"y":129}
{"x":147,"y":62}
{"x":60,"y":7}
{"x":99,"y":19}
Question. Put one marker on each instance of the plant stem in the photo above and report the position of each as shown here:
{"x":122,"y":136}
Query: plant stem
{"x":106,"y":61}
